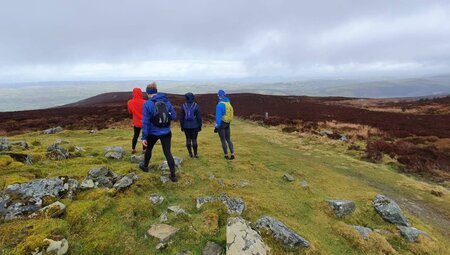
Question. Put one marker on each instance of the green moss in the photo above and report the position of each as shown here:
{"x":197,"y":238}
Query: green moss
{"x":5,"y":160}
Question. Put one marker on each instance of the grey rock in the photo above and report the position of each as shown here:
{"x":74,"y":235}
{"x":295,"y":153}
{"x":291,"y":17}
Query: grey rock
{"x":341,"y":208}
{"x":288,"y":177}
{"x":58,"y":247}
{"x":212,"y":248}
{"x":282,"y":233}
{"x":161,"y":246}
{"x":137,"y":159}
{"x":52,"y":130}
{"x":304,"y":184}
{"x":162,"y":232}
{"x":92,"y":132}
{"x":164,"y":217}
{"x":56,"y":152}
{"x":156,"y":199}
{"x":164,"y":179}
{"x":234,"y":205}
{"x":411,"y":234}
{"x":103,"y":171}
{"x":53,"y":210}
{"x":23,"y":158}
{"x":363,"y":231}
{"x":177,"y":210}
{"x":343,"y":138}
{"x":4,"y":145}
{"x":165,"y":166}
{"x":87,"y":184}
{"x":203,"y":200}
{"x":125,"y":181}
{"x":389,"y":210}
{"x":24,"y":145}
{"x":242,"y":239}
{"x":114,"y":152}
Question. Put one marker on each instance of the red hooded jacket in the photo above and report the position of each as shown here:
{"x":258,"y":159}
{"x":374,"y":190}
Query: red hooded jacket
{"x":135,"y":106}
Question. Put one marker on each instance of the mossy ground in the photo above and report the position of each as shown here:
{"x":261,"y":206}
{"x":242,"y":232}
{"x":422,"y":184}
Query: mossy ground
{"x":102,"y":222}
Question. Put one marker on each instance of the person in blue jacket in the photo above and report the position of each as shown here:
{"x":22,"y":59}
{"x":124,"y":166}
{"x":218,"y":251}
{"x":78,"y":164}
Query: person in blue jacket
{"x":158,"y":113}
{"x":222,"y":126}
{"x":191,"y":123}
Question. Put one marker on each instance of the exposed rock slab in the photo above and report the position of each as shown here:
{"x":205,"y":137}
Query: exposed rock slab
{"x":242,"y":239}
{"x":162,"y":232}
{"x":389,"y":210}
{"x":342,"y":208}
{"x":289,"y":238}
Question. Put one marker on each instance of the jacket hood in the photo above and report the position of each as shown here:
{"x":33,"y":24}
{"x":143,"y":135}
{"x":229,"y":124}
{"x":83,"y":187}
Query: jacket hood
{"x":224,"y":99}
{"x":189,"y":98}
{"x":137,"y":93}
{"x":160,"y":97}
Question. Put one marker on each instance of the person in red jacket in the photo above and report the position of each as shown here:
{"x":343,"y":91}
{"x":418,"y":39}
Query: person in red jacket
{"x":135,"y":106}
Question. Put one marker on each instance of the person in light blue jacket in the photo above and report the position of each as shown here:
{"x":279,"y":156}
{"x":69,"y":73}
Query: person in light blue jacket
{"x":158,"y":113}
{"x":224,"y":116}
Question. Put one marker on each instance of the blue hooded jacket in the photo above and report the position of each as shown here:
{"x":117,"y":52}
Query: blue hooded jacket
{"x":191,"y":124}
{"x":221,"y":110}
{"x":149,"y":110}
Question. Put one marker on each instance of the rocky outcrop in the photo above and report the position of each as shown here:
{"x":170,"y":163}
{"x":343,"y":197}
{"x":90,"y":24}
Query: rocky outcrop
{"x":282,"y":233}
{"x":114,"y":152}
{"x":411,"y":234}
{"x":103,"y":177}
{"x":389,"y":210}
{"x":234,"y":205}
{"x":341,"y":208}
{"x":56,"y":152}
{"x":53,"y":130}
{"x":242,"y":239}
{"x":21,"y":200}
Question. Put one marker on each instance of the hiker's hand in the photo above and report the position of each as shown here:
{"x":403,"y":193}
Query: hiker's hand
{"x":182,"y":129}
{"x":144,"y":142}
{"x":216,"y":130}
{"x":199,"y":129}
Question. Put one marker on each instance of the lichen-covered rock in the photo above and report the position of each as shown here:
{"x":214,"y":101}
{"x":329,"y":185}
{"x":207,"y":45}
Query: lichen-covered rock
{"x":389,"y":210}
{"x":156,"y":199}
{"x":234,"y":205}
{"x":282,"y":233}
{"x":242,"y":239}
{"x":341,"y":208}
{"x":162,"y":232}
{"x":411,"y":234}
{"x":125,"y":181}
{"x":212,"y":248}
{"x":56,"y":152}
{"x":52,"y":130}
{"x":165,"y":166}
{"x":53,"y":210}
{"x":363,"y":231}
{"x":114,"y":152}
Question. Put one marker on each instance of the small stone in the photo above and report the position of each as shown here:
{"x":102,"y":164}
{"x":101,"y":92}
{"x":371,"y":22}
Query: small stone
{"x":304,"y":184}
{"x":363,"y":231}
{"x":341,"y":208}
{"x":57,"y":247}
{"x":382,"y":232}
{"x":136,"y":159}
{"x":162,"y":232}
{"x":212,"y":248}
{"x":242,"y":239}
{"x":161,"y":246}
{"x":22,"y":144}
{"x":282,"y":233}
{"x":164,"y":179}
{"x":164,"y":217}
{"x":92,"y":132}
{"x":123,"y":183}
{"x":178,"y":210}
{"x":53,"y":210}
{"x":389,"y":210}
{"x":156,"y":199}
{"x":411,"y":234}
{"x":244,"y":184}
{"x":165,"y":166}
{"x":114,"y":152}
{"x":288,"y":177}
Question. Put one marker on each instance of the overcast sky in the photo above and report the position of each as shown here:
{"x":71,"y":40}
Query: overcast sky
{"x":110,"y":39}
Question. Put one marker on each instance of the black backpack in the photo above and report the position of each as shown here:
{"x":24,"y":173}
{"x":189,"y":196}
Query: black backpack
{"x":161,"y":117}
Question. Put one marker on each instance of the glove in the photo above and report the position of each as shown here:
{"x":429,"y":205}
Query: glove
{"x":216,"y":130}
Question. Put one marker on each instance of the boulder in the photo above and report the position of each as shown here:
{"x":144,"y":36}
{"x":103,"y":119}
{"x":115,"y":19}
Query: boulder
{"x":156,"y":199}
{"x":411,"y":234}
{"x":56,"y":152}
{"x":137,"y":159}
{"x":234,"y":205}
{"x":389,"y":210}
{"x":212,"y":248}
{"x":53,"y":130}
{"x":162,"y":232}
{"x":363,"y":231}
{"x":24,"y":145}
{"x":282,"y":233}
{"x":165,"y":166}
{"x":288,"y":177}
{"x":21,"y":200}
{"x":341,"y":208}
{"x":54,"y":210}
{"x":114,"y":152}
{"x":242,"y":239}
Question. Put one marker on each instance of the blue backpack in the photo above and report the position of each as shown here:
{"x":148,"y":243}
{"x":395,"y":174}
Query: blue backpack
{"x":189,"y":111}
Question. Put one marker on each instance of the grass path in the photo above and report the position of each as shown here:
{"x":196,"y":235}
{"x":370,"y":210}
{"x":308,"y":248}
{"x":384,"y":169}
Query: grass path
{"x":99,"y":222}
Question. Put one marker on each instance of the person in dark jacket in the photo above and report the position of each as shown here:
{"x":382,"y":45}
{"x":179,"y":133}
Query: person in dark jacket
{"x":158,"y":113}
{"x":135,"y":109}
{"x":191,"y":123}
{"x":224,"y":116}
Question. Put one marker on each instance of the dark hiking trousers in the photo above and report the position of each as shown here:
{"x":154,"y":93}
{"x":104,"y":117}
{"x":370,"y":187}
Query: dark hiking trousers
{"x":191,"y":139}
{"x":166,"y":144}
{"x":225,"y":137}
{"x":137,"y":131}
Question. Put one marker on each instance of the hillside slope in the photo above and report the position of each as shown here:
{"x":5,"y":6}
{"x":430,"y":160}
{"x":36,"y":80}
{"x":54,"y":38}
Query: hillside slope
{"x":99,"y":221}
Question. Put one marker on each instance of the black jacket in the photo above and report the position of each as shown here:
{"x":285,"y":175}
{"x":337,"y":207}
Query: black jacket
{"x":191,"y":124}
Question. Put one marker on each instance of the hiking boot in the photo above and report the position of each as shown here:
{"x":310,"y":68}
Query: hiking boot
{"x":227,"y":157}
{"x":143,"y":167}
{"x":173,"y":178}
{"x":133,"y":151}
{"x":190,"y":155}
{"x":232,"y":157}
